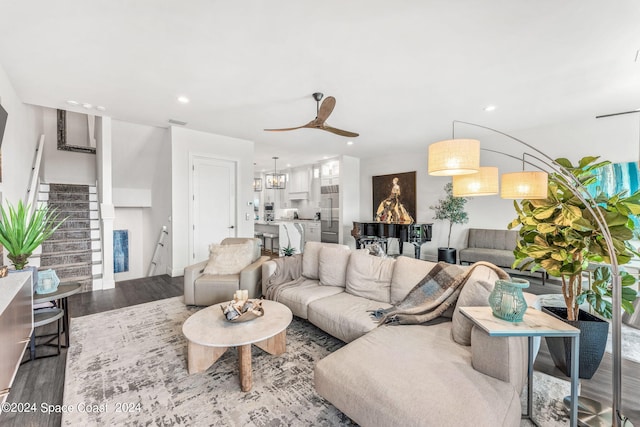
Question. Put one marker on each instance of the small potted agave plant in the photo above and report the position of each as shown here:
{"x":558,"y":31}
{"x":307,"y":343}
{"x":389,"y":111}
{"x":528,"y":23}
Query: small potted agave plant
{"x":22,"y":231}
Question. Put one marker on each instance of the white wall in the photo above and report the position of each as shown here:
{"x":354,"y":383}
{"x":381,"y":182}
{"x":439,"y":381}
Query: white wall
{"x":160,"y":213}
{"x":142,"y":191}
{"x":24,"y":126}
{"x":132,"y":219}
{"x":185,"y":142}
{"x":60,"y":166}
{"x":615,"y":139}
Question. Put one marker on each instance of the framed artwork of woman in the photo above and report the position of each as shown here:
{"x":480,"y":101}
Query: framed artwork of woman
{"x":394,"y":198}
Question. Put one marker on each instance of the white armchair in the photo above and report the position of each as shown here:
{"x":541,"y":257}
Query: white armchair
{"x":208,"y":289}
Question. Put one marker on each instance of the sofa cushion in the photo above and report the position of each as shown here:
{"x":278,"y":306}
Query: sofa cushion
{"x":211,"y":289}
{"x":332,"y":265}
{"x":369,"y":276}
{"x":229,"y":259}
{"x":493,"y":239}
{"x":406,"y":275}
{"x":406,"y":365}
{"x":474,"y":293}
{"x":298,"y":297}
{"x":504,"y":358}
{"x":257,"y":244}
{"x":344,"y":316}
{"x":501,"y":257}
{"x":310,"y":258}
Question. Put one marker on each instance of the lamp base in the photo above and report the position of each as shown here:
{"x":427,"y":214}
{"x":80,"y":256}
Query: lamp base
{"x":592,"y":413}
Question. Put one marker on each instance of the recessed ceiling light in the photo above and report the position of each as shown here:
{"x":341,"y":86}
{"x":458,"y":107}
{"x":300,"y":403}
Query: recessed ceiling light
{"x":183,"y":99}
{"x":325,"y":157}
{"x":490,"y":108}
{"x":87,"y":105}
{"x":100,"y":108}
{"x":71,"y":102}
{"x":288,"y":165}
{"x":349,"y":142}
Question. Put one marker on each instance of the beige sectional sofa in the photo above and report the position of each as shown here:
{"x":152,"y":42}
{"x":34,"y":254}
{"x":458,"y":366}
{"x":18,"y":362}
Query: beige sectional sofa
{"x":410,"y":375}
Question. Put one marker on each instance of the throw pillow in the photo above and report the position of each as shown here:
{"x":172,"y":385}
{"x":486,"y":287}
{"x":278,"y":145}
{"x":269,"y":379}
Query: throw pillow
{"x":369,"y":276}
{"x":332,"y":266}
{"x":310,"y":258}
{"x":474,"y":293}
{"x":229,"y":259}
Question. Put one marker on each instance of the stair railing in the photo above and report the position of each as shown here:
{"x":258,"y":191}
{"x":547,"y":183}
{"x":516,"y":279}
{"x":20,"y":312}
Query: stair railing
{"x":157,"y":253}
{"x":34,"y":181}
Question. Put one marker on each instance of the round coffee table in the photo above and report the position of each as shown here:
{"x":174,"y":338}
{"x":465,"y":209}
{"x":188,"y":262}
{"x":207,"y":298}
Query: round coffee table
{"x":210,"y":335}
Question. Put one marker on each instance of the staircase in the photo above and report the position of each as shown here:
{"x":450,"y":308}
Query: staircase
{"x":74,"y":250}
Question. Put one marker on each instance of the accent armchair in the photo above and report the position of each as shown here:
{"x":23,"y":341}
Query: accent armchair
{"x":208,"y":289}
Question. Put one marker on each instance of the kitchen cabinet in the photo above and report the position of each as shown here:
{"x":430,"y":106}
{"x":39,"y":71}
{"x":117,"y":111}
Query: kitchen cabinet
{"x":311,"y":231}
{"x":299,"y":184}
{"x":339,"y":198}
{"x":330,"y":173}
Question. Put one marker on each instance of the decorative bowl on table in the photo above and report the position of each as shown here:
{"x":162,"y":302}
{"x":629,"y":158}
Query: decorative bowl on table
{"x":242,"y":310}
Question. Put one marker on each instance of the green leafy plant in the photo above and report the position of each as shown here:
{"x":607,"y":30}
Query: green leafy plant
{"x":21,"y":232}
{"x":451,"y":209}
{"x":288,"y":251}
{"x":561,"y":236}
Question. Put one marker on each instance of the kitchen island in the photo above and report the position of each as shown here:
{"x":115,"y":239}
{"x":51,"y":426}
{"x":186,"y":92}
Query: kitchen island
{"x":290,"y":234}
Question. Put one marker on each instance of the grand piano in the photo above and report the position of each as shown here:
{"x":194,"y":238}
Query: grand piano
{"x":369,"y":232}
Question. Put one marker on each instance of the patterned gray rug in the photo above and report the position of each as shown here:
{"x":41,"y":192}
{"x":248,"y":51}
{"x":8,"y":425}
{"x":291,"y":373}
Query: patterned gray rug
{"x":128,"y":367}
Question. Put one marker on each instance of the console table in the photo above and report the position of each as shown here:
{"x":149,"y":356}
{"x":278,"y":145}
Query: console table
{"x":16,"y":325}
{"x":534,"y":324}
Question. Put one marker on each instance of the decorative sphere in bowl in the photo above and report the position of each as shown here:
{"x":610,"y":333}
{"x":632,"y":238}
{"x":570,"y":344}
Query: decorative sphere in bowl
{"x":242,"y":311}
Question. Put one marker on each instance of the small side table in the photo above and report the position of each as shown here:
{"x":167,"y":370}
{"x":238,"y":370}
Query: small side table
{"x":59,"y":297}
{"x":534,"y":324}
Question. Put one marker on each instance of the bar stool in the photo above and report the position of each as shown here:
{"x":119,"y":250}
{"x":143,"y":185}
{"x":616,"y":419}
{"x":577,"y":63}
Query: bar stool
{"x":272,"y":237}
{"x":42,"y":317}
{"x":260,"y":235}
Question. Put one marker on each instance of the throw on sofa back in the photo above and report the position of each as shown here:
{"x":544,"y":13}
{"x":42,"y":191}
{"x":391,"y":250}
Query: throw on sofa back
{"x":492,"y":239}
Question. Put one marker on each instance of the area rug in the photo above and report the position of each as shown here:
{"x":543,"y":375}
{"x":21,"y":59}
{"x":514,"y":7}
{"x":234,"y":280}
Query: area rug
{"x":128,"y":367}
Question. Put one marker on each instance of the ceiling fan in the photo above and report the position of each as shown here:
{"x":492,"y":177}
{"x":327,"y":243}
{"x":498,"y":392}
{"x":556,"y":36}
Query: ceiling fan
{"x":323,"y":111}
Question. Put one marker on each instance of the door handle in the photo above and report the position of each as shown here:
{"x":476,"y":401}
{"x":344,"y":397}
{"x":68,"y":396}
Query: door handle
{"x":232,"y":226}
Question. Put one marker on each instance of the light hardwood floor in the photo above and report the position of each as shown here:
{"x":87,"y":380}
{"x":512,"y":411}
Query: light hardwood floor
{"x":42,"y":381}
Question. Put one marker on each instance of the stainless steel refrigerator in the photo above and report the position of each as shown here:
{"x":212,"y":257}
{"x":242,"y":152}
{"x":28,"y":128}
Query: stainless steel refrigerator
{"x":329,"y":214}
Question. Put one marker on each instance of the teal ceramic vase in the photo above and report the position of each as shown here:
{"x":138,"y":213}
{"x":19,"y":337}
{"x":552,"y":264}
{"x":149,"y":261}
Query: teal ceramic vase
{"x":506,"y":299}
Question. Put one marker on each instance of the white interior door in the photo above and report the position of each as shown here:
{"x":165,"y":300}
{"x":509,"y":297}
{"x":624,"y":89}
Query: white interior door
{"x":213,"y":204}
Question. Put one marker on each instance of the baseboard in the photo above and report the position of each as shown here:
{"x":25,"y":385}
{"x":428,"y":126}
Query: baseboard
{"x":175,"y":272}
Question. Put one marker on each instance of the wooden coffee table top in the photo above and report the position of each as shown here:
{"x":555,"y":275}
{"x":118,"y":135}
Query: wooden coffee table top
{"x":208,"y":326}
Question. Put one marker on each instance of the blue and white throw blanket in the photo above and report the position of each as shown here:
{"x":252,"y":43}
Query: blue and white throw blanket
{"x":433,"y":295}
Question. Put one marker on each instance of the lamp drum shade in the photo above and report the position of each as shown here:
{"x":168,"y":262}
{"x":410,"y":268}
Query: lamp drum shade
{"x":482,"y":183}
{"x":454,"y":157}
{"x":524,"y":185}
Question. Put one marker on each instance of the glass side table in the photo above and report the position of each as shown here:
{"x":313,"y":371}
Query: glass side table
{"x":534,"y":324}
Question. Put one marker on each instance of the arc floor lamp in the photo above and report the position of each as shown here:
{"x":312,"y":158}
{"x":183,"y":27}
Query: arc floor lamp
{"x":460,"y":158}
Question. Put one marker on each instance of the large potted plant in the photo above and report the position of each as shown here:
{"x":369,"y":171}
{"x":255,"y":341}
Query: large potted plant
{"x":22,"y":231}
{"x":560,"y":235}
{"x":450,"y":209}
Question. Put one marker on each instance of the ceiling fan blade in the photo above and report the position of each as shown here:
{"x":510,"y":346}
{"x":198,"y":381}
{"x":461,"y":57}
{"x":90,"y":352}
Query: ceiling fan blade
{"x":340,"y":131}
{"x":311,"y":124}
{"x":283,"y":129}
{"x":325,"y":110}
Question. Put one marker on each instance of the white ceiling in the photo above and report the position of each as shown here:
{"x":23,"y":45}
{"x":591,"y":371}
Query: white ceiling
{"x":401,"y":71}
